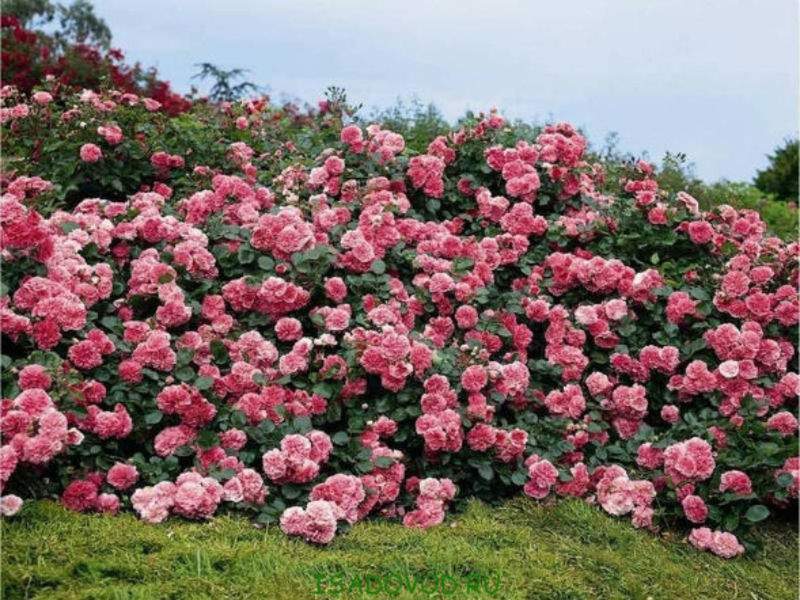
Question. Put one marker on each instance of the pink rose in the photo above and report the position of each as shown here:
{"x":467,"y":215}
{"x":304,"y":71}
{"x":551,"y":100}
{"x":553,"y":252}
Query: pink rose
{"x":91,"y":153}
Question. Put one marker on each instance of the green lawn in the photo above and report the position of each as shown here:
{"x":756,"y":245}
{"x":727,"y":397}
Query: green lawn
{"x":567,"y":551}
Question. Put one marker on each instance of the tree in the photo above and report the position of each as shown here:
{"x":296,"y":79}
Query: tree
{"x":780,"y":177}
{"x":78,"y":22}
{"x":224,"y":89}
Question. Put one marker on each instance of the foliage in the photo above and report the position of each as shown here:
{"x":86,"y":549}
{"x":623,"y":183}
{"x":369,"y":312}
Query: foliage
{"x":780,"y":178}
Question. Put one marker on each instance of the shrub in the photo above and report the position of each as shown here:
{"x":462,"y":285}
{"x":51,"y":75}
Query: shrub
{"x":298,"y":317}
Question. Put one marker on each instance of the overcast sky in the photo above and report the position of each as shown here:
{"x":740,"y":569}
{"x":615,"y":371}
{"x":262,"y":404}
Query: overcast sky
{"x":716,"y":79}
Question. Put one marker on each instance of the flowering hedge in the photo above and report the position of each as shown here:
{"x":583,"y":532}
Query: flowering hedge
{"x":299,"y":318}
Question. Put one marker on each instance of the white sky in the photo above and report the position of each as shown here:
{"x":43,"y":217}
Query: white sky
{"x":716,"y":79}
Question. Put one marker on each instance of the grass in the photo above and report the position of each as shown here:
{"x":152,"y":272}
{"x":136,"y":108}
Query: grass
{"x":567,"y":551}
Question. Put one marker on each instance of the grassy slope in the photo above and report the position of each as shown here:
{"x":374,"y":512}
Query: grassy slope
{"x":567,"y":551}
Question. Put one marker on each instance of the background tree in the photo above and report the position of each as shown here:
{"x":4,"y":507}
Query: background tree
{"x":780,"y":177}
{"x":78,"y":23}
{"x":224,"y":89}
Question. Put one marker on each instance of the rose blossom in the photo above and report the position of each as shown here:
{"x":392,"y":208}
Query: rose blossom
{"x":90,"y":153}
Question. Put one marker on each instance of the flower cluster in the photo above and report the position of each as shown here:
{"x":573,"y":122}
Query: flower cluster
{"x":316,"y":523}
{"x":299,"y":458}
{"x":721,"y":543}
{"x":431,"y":501}
{"x":619,"y":495}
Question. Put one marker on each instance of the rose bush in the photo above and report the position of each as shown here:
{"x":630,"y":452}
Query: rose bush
{"x":296,"y":316}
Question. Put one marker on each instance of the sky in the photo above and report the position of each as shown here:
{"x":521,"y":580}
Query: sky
{"x":714,"y":79}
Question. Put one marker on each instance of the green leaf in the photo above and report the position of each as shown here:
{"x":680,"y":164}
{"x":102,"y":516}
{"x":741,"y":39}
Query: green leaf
{"x":265,"y":518}
{"x":245,"y":255}
{"x":266,"y":263}
{"x":486,"y":472}
{"x":323,"y":389}
{"x":302,"y":424}
{"x":110,"y":322}
{"x":756,"y":513}
{"x":518,"y":478}
{"x":731,"y":522}
{"x":340,"y":438}
{"x":185,"y":356}
{"x":238,"y":418}
{"x":218,"y":350}
{"x":379,"y":267}
{"x":206,"y":439}
{"x":204,"y":383}
{"x":185,"y":373}
{"x":699,"y":293}
{"x":291,"y":491}
{"x":384,"y":462}
{"x":153,"y":417}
